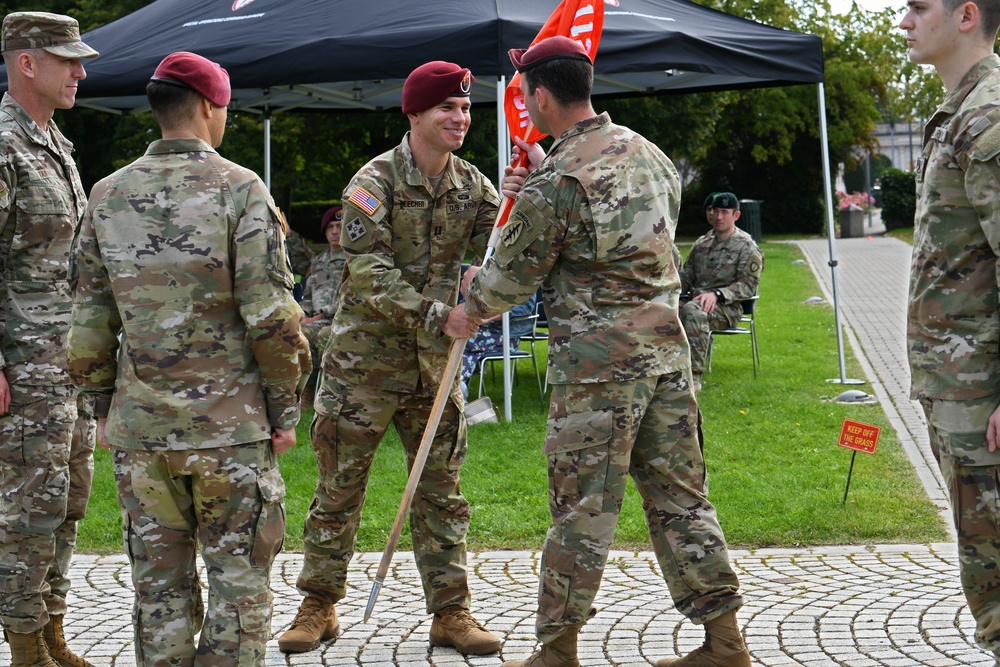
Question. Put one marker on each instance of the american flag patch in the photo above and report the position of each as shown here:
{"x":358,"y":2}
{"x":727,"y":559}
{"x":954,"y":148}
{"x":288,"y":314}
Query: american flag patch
{"x":364,"y":200}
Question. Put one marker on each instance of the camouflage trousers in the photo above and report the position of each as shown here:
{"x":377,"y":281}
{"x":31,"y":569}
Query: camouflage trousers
{"x":350,"y":422}
{"x":318,"y":334}
{"x":958,"y":439}
{"x":697,"y":324}
{"x":598,"y":434}
{"x":46,"y":470}
{"x":231,"y":500}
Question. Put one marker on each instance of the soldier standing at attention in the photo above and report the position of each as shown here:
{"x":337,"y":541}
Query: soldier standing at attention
{"x":952,"y":331}
{"x":409,"y":217}
{"x":181,"y":255}
{"x":601,"y":247}
{"x":722,"y":269}
{"x":46,"y":435}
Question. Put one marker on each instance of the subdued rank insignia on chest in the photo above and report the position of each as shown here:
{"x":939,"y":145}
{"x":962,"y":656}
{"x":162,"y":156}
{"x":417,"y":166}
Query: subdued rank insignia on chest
{"x":939,"y":134}
{"x":512,"y":230}
{"x":355,"y":229}
{"x":438,"y":230}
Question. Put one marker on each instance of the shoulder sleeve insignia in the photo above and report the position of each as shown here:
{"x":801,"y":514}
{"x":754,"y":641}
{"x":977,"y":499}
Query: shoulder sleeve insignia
{"x":367,"y":202}
{"x":355,"y":229}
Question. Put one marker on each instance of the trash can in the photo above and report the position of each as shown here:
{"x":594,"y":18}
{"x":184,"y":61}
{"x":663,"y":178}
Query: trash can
{"x":750,"y":217}
{"x":852,"y":222}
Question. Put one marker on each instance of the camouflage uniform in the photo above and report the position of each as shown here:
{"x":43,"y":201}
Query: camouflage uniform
{"x":733,"y":268}
{"x":384,"y":362}
{"x":320,"y":298}
{"x":602,"y":249}
{"x":182,"y":254}
{"x":46,"y":441}
{"x":952,"y":323}
{"x":300,"y":255}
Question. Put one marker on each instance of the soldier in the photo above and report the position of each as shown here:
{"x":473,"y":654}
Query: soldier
{"x":601,"y":247}
{"x":409,"y":216}
{"x":181,"y":254}
{"x":722,"y":269}
{"x":319,"y":300}
{"x":46,"y":433}
{"x":952,"y":320}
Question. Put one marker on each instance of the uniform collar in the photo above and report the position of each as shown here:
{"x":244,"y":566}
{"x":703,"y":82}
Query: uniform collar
{"x":588,"y":125}
{"x":44,"y":136}
{"x":185,"y":145}
{"x":449,"y":181}
{"x":968,"y":82}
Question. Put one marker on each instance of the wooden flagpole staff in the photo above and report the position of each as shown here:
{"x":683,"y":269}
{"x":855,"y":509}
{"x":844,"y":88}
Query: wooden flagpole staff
{"x":437,"y":410}
{"x":584,"y":21}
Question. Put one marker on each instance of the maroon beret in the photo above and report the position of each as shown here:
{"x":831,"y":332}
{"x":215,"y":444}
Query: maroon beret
{"x":189,"y":70}
{"x":550,"y":48}
{"x":332,"y":213}
{"x":433,"y":83}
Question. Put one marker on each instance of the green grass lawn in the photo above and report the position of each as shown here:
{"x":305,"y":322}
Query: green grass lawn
{"x":776,"y":473}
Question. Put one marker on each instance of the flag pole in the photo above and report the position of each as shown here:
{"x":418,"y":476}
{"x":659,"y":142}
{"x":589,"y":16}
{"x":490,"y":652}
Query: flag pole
{"x":437,"y":410}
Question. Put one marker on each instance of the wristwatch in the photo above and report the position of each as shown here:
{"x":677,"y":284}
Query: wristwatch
{"x":718,"y":295}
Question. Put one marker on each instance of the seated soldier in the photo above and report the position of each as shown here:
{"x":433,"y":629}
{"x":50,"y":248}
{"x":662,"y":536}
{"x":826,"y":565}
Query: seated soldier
{"x":722,"y":269}
{"x":319,"y":299}
{"x":489,"y":339}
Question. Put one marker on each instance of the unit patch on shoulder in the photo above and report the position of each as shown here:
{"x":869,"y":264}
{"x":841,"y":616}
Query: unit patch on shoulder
{"x":355,"y":229}
{"x":513,"y":229}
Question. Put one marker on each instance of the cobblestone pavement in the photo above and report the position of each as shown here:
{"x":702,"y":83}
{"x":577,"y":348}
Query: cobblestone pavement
{"x":858,"y":606}
{"x":879,"y":605}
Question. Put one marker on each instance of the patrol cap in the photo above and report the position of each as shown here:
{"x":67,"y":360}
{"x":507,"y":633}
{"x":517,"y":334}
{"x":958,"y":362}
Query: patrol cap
{"x":332,"y":213}
{"x":434,"y":82}
{"x":55,"y":33}
{"x":189,"y":70}
{"x":549,"y":49}
{"x":722,"y":200}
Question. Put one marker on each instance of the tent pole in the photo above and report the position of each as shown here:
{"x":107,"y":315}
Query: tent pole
{"x":267,"y":146}
{"x":828,"y":187}
{"x":503,"y":159}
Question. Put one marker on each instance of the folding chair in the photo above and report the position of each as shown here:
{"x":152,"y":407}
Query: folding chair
{"x":514,"y":356}
{"x":749,"y":317}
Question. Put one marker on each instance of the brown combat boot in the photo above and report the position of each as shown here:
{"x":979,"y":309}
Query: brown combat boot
{"x":456,"y":627}
{"x":560,"y":652}
{"x":28,"y":650}
{"x":316,"y":622}
{"x":58,"y":649}
{"x":723,"y":647}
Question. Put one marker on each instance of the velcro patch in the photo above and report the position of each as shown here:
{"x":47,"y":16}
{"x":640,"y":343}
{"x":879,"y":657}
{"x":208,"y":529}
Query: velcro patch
{"x":355,"y":229}
{"x":514,"y":228}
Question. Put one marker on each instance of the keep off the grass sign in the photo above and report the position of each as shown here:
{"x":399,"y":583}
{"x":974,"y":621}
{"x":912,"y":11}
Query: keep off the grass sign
{"x":859,"y":436}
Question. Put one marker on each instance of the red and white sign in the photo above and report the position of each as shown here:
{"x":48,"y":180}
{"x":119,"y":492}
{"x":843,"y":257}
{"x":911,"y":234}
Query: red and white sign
{"x":859,"y":436}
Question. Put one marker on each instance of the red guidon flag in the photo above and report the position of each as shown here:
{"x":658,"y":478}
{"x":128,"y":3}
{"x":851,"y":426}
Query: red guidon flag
{"x":581,"y":20}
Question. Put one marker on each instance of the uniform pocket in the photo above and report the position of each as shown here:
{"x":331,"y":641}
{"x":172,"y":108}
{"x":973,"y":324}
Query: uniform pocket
{"x":255,"y":630}
{"x":269,"y":532}
{"x":577,"y":447}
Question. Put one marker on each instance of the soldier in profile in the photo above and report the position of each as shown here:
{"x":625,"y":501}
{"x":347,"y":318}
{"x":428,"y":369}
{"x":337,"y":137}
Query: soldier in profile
{"x":181,"y":257}
{"x":601,"y":247}
{"x":46,"y":431}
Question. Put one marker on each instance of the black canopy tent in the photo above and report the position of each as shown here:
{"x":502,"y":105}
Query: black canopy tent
{"x":352,"y":54}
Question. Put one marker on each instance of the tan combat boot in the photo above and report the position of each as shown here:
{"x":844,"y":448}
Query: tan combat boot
{"x":58,"y":649}
{"x":456,"y":627}
{"x":28,"y":650}
{"x":723,"y":647}
{"x":316,"y":622}
{"x":560,"y":652}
